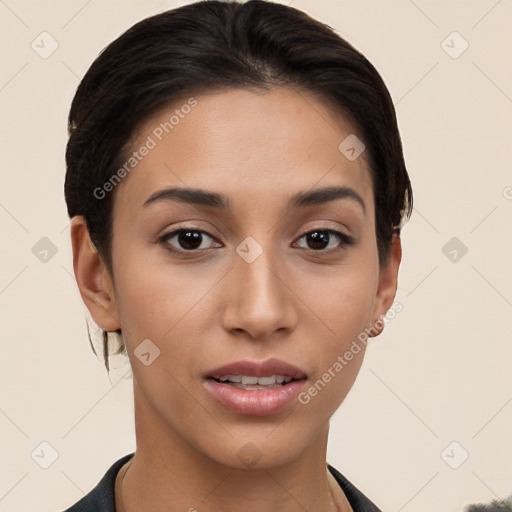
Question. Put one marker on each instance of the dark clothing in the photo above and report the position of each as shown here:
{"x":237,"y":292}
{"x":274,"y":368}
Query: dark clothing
{"x":101,"y":498}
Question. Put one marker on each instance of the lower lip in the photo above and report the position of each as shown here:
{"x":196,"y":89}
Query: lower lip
{"x":255,"y":402}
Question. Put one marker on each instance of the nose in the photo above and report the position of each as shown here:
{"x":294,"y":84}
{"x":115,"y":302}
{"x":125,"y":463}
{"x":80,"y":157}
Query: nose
{"x":259,"y":300}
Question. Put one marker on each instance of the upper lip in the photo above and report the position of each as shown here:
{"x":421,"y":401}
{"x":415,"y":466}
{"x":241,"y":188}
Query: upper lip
{"x":265,"y":368}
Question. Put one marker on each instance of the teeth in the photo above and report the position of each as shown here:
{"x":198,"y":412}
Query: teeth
{"x":266,"y":380}
{"x":251,"y":380}
{"x":231,"y":378}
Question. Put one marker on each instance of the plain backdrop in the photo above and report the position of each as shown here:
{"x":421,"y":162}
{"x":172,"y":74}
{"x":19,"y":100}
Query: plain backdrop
{"x":427,"y":425}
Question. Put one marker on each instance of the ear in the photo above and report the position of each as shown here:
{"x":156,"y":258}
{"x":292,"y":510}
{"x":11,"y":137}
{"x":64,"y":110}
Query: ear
{"x":92,"y":276}
{"x":387,"y":285}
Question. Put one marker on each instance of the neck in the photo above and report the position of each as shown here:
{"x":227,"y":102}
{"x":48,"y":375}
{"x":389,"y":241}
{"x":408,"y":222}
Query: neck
{"x":168,"y":474}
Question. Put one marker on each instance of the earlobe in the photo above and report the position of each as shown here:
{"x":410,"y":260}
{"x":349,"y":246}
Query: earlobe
{"x":92,"y":276}
{"x":387,"y":286}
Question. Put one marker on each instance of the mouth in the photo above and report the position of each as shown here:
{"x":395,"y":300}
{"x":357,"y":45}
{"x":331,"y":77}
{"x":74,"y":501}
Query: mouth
{"x":270,"y":373}
{"x":255,"y":388}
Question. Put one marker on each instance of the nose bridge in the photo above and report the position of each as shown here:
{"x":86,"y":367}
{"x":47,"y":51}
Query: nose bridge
{"x":259,"y":276}
{"x":261,"y":303}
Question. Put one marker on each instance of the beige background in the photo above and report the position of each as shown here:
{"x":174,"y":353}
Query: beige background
{"x":441,"y":370}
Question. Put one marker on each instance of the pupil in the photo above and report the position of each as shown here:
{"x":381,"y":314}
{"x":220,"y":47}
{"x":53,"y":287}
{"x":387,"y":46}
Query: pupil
{"x":190,"y":239}
{"x":320,"y":239}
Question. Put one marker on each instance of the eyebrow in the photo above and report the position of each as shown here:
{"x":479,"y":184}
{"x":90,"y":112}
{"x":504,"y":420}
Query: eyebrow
{"x":206,"y":198}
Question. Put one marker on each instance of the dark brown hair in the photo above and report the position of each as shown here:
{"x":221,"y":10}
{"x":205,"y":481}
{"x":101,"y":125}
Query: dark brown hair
{"x":214,"y":45}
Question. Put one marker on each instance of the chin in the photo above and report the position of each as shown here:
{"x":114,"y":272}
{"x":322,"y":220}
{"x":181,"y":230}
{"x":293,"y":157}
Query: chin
{"x":264,"y":448}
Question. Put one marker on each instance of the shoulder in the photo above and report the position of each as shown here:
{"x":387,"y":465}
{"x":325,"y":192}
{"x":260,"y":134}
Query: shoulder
{"x":101,"y":498}
{"x":358,"y":501}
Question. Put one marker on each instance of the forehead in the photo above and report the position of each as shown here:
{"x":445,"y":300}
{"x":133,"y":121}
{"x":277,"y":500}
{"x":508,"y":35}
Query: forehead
{"x":258,"y":147}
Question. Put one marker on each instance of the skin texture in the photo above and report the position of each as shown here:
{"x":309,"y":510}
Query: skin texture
{"x":209,"y":307}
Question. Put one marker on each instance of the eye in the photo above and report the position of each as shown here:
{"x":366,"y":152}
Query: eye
{"x":187,"y":239}
{"x":194,"y":239}
{"x":324,"y":240}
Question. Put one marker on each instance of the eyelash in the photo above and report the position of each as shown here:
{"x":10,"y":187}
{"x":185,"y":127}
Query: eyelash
{"x":345,"y":240}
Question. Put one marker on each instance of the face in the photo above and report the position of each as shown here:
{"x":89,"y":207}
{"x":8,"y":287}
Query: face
{"x":265,"y":268}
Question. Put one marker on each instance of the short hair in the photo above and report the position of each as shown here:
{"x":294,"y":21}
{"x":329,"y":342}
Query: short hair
{"x":210,"y":46}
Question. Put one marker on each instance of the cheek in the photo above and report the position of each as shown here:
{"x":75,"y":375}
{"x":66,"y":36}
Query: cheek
{"x":154,"y":298}
{"x":344,"y":311}
{"x":342,"y":299}
{"x":162,"y":303}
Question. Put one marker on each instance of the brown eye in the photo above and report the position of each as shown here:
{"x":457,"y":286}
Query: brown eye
{"x":187,"y":239}
{"x":326,"y":240}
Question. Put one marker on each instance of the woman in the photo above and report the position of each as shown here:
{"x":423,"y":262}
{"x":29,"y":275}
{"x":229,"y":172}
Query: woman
{"x":236,"y":185}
